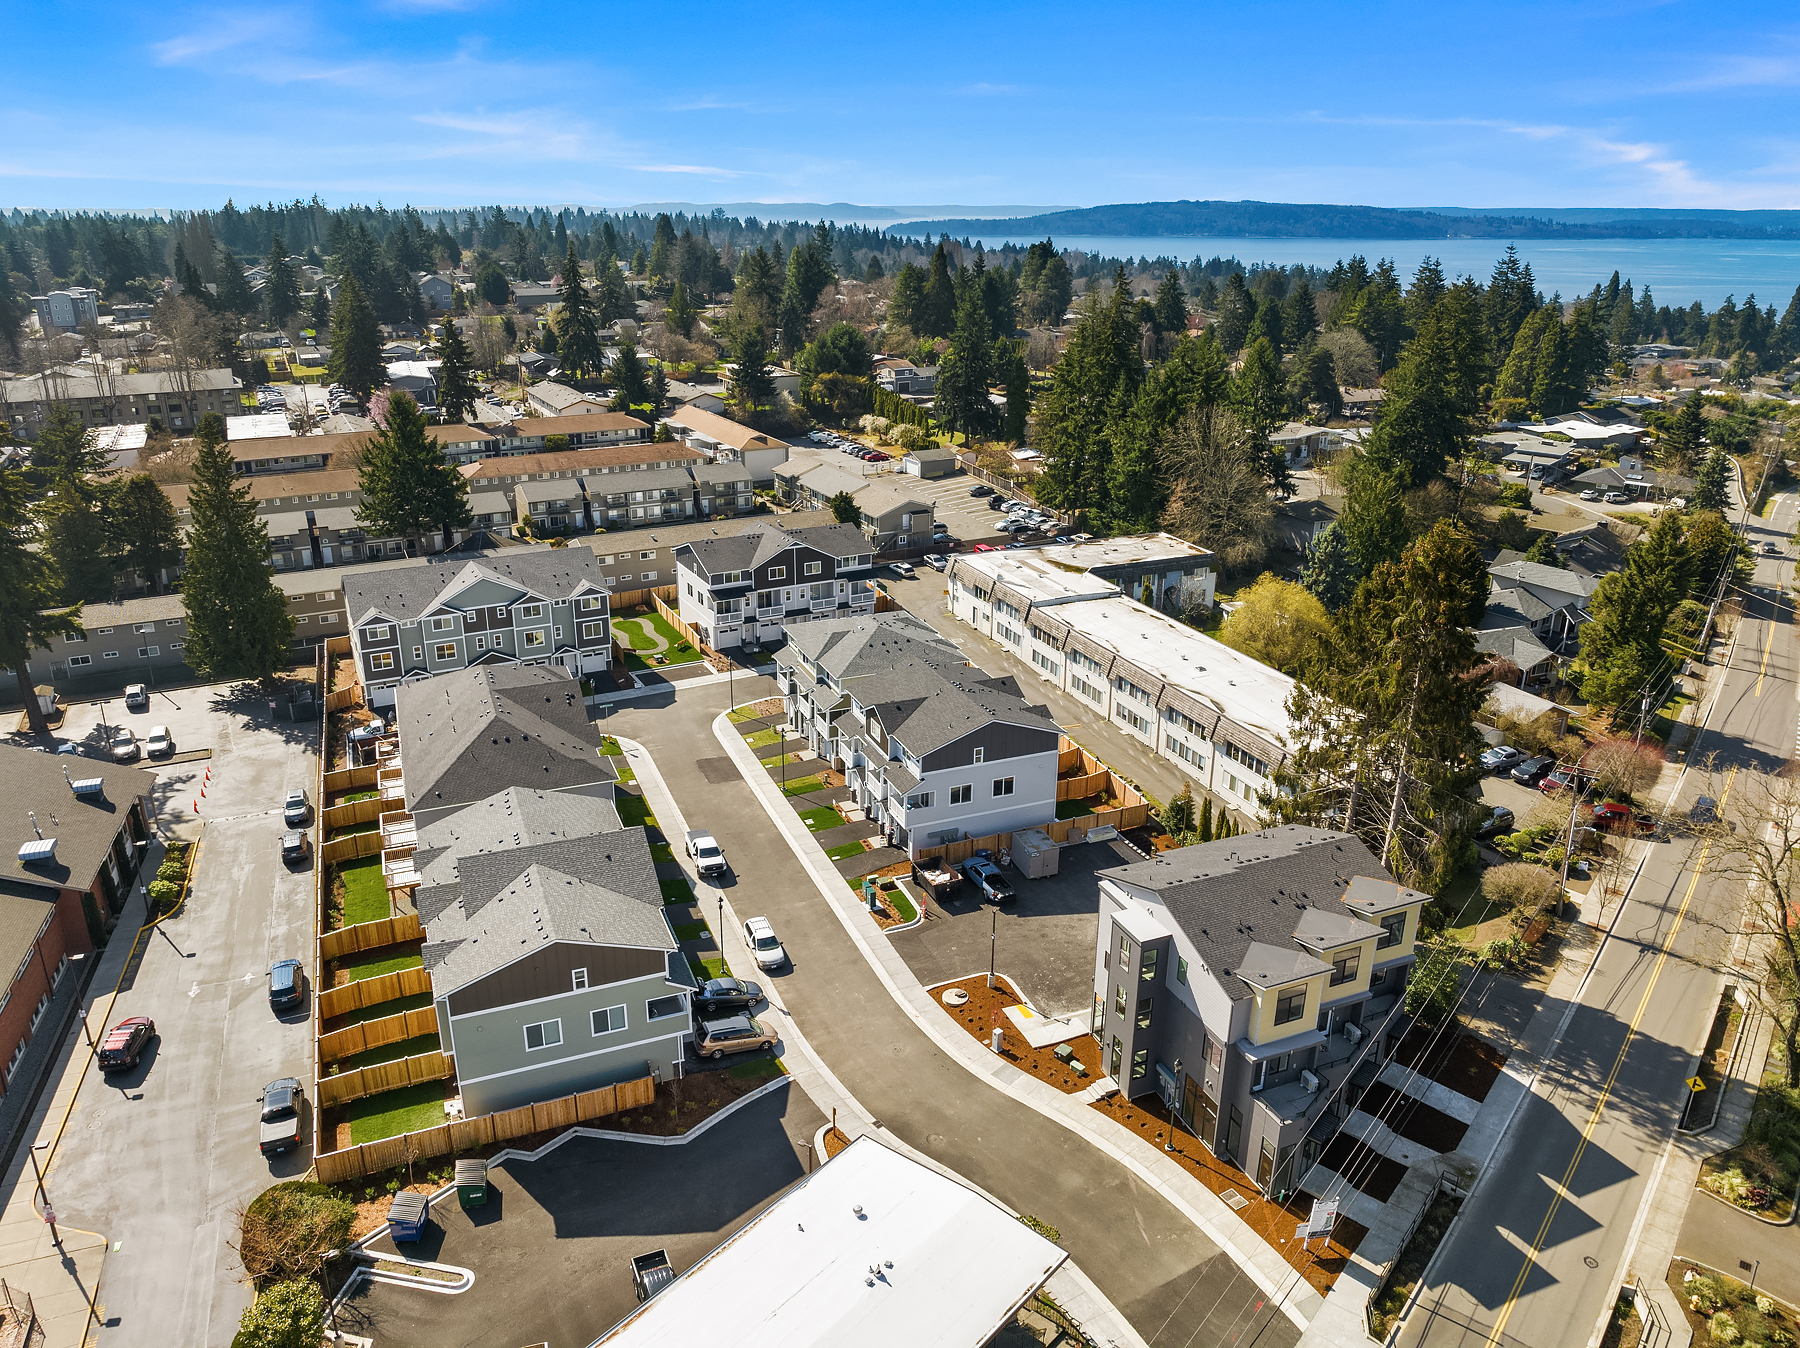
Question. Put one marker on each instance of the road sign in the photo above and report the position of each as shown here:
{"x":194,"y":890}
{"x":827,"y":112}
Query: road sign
{"x":1696,"y":1085}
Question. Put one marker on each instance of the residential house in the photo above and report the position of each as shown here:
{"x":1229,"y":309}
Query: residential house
{"x":126,"y":641}
{"x":638,"y":500}
{"x":932,"y":748}
{"x":77,"y":834}
{"x":724,"y":489}
{"x":895,"y":516}
{"x":1549,"y":601}
{"x":289,"y":453}
{"x":178,"y":397}
{"x":721,"y":439}
{"x":1525,"y":708}
{"x":1593,"y":431}
{"x":683,"y":394}
{"x":417,"y":378}
{"x":437,"y":290}
{"x":1519,"y":647}
{"x":645,"y":559}
{"x":1298,"y":443}
{"x":559,"y":400}
{"x":1362,"y":402}
{"x":532,"y":606}
{"x":551,"y":507}
{"x":907,"y":380}
{"x":1632,"y":478}
{"x":752,"y":587}
{"x":527,"y":297}
{"x":1590,"y":551}
{"x":1239,"y":980}
{"x":1299,"y":523}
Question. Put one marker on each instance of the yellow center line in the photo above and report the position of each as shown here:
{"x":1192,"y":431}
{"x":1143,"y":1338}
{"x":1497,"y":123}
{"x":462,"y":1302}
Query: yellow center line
{"x":1564,"y":1185}
{"x":1768,"y":645}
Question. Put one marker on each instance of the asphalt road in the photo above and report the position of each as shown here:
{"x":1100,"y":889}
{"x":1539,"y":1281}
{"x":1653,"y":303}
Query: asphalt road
{"x":1537,"y":1253}
{"x":1726,"y":1238}
{"x":159,"y":1159}
{"x":1174,"y":1285}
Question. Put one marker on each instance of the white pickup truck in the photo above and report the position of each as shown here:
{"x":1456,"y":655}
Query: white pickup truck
{"x":709,"y":857}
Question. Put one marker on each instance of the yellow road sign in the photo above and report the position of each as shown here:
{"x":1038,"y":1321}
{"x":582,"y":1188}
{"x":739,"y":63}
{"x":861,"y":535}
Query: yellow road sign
{"x":1696,"y":1085}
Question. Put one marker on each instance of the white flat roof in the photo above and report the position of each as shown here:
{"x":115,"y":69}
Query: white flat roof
{"x":258,"y":426}
{"x":871,"y":1249}
{"x":1036,"y":578}
{"x":1122,"y":550}
{"x":1246,"y":690}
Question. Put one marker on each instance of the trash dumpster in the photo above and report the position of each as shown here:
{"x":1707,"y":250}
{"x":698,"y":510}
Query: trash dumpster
{"x":471,"y":1183}
{"x":407,"y":1215}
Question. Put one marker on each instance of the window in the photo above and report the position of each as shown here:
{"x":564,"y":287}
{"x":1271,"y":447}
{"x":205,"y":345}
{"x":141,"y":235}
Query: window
{"x":534,"y":641}
{"x":1124,"y":951}
{"x":104,"y":631}
{"x":74,"y":637}
{"x":443,"y":624}
{"x":647,"y":575}
{"x":1244,"y":756}
{"x":578,"y":979}
{"x":1143,"y":1014}
{"x":593,"y":631}
{"x":145,"y":652}
{"x":141,"y":628}
{"x":1181,"y":971}
{"x":544,"y":1034}
{"x":608,"y":1020}
{"x":444,"y":650}
{"x":299,"y":620}
{"x":481,"y":643}
{"x":1344,"y":967}
{"x":77,"y":661}
{"x":812,"y":568}
{"x":980,"y":755}
{"x":1393,"y":926}
{"x":326,"y":597}
{"x":377,"y":633}
{"x":381,"y":660}
{"x":1140,"y":1063}
{"x":37,"y":1013}
{"x":962,"y":795}
{"x":1131,"y":718}
{"x":1086,"y":689}
{"x":1215,"y":1053}
{"x":1003,"y":786}
{"x":175,"y":645}
{"x":919,"y":801}
{"x":777,"y":573}
{"x":526,"y":612}
{"x":647,"y":556}
{"x":418,"y":651}
{"x":1119,"y":1002}
{"x":590,"y":602}
{"x":1148,"y":972}
{"x":12,"y":1063}
{"x":1184,"y":751}
{"x":1290,"y":1005}
{"x":109,"y":655}
{"x":661,"y":1008}
{"x":500,"y":613}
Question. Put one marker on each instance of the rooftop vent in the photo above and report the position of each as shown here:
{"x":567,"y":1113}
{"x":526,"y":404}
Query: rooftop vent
{"x":37,"y":852}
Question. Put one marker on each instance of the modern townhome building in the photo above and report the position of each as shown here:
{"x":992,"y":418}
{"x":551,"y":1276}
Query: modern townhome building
{"x":531,"y":606}
{"x":895,"y":515}
{"x":1215,"y":713}
{"x":750,"y":588}
{"x":179,"y":398}
{"x":721,"y":440}
{"x":645,"y":559}
{"x":1156,"y":569}
{"x":934,"y":749}
{"x":1242,"y":981}
{"x":77,"y":833}
{"x":66,"y":310}
{"x":1548,"y":601}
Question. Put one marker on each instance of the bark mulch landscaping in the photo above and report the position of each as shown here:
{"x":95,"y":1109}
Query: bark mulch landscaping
{"x":1413,"y":1119}
{"x":1273,"y":1222}
{"x":680,"y":1105}
{"x":1722,"y":1309}
{"x":984,"y":1010}
{"x":835,"y":1141}
{"x":1467,"y":1065}
{"x":1363,"y":1167}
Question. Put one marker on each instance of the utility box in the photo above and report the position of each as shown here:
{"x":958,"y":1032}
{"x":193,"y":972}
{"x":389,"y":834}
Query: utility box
{"x":1034,"y":854}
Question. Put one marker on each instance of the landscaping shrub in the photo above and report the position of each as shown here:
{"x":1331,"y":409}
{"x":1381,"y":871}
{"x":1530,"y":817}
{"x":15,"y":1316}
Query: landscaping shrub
{"x":1522,"y":887}
{"x":290,"y":1314}
{"x":1503,"y":952}
{"x":286,"y":1228}
{"x":164,"y":894}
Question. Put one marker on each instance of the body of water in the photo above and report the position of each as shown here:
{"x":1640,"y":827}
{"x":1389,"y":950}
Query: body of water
{"x":1678,"y":271}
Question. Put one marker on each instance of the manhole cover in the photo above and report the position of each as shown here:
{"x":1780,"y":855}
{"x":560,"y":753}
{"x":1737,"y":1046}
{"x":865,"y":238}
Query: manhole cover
{"x":956,"y":997}
{"x":1590,"y":1261}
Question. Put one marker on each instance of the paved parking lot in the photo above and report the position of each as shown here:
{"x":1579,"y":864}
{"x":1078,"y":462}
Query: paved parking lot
{"x":1044,"y":940}
{"x":551,"y":1251}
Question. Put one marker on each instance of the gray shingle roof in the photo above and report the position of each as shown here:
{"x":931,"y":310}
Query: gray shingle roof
{"x":407,"y":592}
{"x":1253,"y":890}
{"x":465,"y":735}
{"x":1541,"y":577}
{"x":514,"y":818}
{"x":1514,"y":644}
{"x":753,"y":548}
{"x":84,"y":826}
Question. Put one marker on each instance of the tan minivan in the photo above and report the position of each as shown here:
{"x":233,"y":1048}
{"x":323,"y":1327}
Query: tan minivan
{"x":731,"y":1034}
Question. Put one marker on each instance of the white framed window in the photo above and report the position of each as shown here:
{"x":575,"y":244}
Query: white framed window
{"x":661,"y":1008}
{"x":326,"y":597}
{"x":75,"y":637}
{"x":777,"y":573}
{"x":812,"y":568}
{"x":647,"y":556}
{"x":919,"y":801}
{"x":649,"y":575}
{"x":37,"y":1012}
{"x":77,"y":661}
{"x":544,"y":1034}
{"x":590,"y":602}
{"x":443,"y":624}
{"x":418,"y":652}
{"x":534,"y":640}
{"x":593,"y":631}
{"x":481,"y":643}
{"x":962,"y":795}
{"x":299,"y":620}
{"x":175,"y":645}
{"x":578,"y":979}
{"x":12,"y":1063}
{"x":980,"y":755}
{"x":1003,"y":786}
{"x":381,"y":660}
{"x":145,"y":652}
{"x":607,"y":1020}
{"x":141,"y":628}
{"x":380,"y":633}
{"x":526,"y":612}
{"x":109,"y":655}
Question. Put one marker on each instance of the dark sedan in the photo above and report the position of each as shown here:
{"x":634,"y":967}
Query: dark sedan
{"x":726,"y":994}
{"x":1533,"y":770}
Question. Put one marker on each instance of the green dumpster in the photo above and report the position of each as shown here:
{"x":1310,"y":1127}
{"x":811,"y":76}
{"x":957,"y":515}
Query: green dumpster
{"x":471,"y":1183}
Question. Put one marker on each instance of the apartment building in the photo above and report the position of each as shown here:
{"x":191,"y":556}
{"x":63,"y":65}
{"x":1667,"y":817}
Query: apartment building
{"x":66,"y":310}
{"x":311,"y":518}
{"x":645,"y":559}
{"x":179,"y":398}
{"x":306,"y":453}
{"x":530,"y":606}
{"x":933,"y":748}
{"x":1244,"y":981}
{"x":752,"y":587}
{"x":583,"y":430}
{"x":721,"y":440}
{"x":894,"y":515}
{"x":724,"y":489}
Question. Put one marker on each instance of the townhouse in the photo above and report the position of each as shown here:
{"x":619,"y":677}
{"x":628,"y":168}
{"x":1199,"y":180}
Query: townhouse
{"x":178,"y":398}
{"x":583,"y":430}
{"x":311,"y":518}
{"x":624,"y":500}
{"x":645,"y":559}
{"x":932,"y":748}
{"x":894,"y":515}
{"x":550,"y":399}
{"x":721,"y":439}
{"x":1245,"y":981}
{"x":752,"y":587}
{"x":304,"y":453}
{"x":724,"y":489}
{"x":532,"y":606}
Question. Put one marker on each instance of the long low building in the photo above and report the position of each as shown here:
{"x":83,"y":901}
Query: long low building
{"x":1216,"y":713}
{"x":177,"y":398}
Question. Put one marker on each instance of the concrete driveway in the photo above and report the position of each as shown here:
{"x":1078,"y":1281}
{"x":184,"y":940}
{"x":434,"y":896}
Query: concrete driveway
{"x":159,"y":1159}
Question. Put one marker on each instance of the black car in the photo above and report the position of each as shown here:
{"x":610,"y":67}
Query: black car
{"x":981,"y":489}
{"x":286,"y":979}
{"x":1499,"y":820}
{"x":293,"y":846}
{"x":996,"y":502}
{"x":726,"y":994}
{"x":1705,"y":810}
{"x":1532,"y":770}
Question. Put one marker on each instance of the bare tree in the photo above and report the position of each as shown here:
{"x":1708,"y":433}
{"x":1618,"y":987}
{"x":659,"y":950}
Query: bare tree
{"x":194,"y":339}
{"x":1220,"y":500}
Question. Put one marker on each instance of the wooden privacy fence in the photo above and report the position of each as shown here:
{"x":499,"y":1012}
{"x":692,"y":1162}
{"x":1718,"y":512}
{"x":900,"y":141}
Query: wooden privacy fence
{"x":369,"y":1158}
{"x":373,"y":991}
{"x":368,"y":1034}
{"x":1127,"y":817}
{"x":623,"y":600}
{"x":353,"y":812}
{"x":386,"y":1076}
{"x":351,"y":847}
{"x":675,"y":619}
{"x":343,"y":697}
{"x":340,"y":780}
{"x":1080,"y":788}
{"x":370,"y":935}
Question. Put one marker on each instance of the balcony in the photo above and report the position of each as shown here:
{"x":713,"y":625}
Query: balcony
{"x":826,"y":605}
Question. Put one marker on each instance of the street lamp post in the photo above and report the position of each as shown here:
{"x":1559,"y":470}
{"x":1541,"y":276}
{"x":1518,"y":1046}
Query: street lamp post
{"x":722,"y":965}
{"x":44,"y":1198}
{"x":1174,"y":1109}
{"x":330,"y":1314}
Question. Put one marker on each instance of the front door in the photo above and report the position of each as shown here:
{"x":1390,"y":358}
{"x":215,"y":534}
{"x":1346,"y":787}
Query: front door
{"x":1265,"y":1166}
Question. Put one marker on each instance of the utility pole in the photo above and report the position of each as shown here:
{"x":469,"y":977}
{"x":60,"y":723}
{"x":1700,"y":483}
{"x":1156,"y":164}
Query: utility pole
{"x":993,"y":941}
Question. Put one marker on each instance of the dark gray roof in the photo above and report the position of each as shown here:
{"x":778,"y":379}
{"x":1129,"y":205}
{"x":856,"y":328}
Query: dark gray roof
{"x":1608,"y":476}
{"x":514,"y":818}
{"x":1514,"y":644}
{"x":84,"y":826}
{"x":466,"y":735}
{"x":1372,"y":897}
{"x":408,"y":592}
{"x":708,"y":473}
{"x":1253,"y":891}
{"x":1265,"y":966}
{"x":1513,"y":606}
{"x":1321,"y":929}
{"x":1540,"y":577}
{"x":753,"y":548}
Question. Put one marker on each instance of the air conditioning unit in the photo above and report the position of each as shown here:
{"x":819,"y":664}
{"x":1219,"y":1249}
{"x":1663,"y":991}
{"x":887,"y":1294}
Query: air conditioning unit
{"x":1310,"y":1081}
{"x":1353,"y":1032}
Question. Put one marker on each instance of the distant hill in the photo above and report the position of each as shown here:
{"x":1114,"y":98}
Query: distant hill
{"x":1276,"y":220}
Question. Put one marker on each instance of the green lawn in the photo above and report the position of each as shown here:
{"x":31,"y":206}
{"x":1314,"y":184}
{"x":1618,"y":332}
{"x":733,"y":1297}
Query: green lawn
{"x":709,"y":966}
{"x":610,"y":746}
{"x":662,"y":851}
{"x":803,"y":786}
{"x":742,"y":714}
{"x":757,"y":1069}
{"x":365,"y":892}
{"x":843,"y":850}
{"x":392,"y":1113}
{"x":690,"y":931}
{"x":902,"y":905}
{"x":633,"y":810}
{"x":356,"y":796}
{"x":345,"y":830}
{"x":1074,"y":809}
{"x":392,"y":1007}
{"x":374,"y":963}
{"x":821,"y":817}
{"x":406,"y":1048}
{"x":623,"y":768}
{"x":1462,"y":899}
{"x":676,"y":891}
{"x":630,"y":626}
{"x":762,"y":738}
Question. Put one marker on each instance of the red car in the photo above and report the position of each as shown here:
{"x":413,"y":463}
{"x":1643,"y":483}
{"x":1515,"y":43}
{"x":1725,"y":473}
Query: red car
{"x":984,"y":547}
{"x":125,"y":1043}
{"x":1609,"y":814}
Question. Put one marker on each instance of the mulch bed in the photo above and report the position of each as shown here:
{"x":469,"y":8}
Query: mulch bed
{"x":835,"y":1141}
{"x":680,"y":1105}
{"x":1465,"y":1064}
{"x":1273,"y":1222}
{"x":1740,"y":1302}
{"x":984,"y":1010}
{"x":1362,"y":1166}
{"x":1413,"y":1119}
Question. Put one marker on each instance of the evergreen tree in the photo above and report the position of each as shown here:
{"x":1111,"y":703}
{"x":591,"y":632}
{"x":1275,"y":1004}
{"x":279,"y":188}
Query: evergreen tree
{"x":1683,"y":439}
{"x":1177,"y":817}
{"x":1313,"y":381}
{"x":1785,"y":343}
{"x":75,"y":537}
{"x":936,"y":312}
{"x":1543,"y":552}
{"x":145,"y":532}
{"x":961,"y":399}
{"x":66,"y":452}
{"x":752,"y":383}
{"x":659,"y":388}
{"x":281,"y":291}
{"x":1427,"y":288}
{"x":874,"y":271}
{"x":1433,"y":396}
{"x":29,"y":588}
{"x":356,"y":342}
{"x":1710,"y":483}
{"x":289,"y":1314}
{"x":456,"y":386}
{"x":1374,"y":518}
{"x":577,"y":328}
{"x":1171,"y":306}
{"x":409,"y":489}
{"x":844,"y":509}
{"x":840,"y":349}
{"x":612,"y":299}
{"x":1100,"y":365}
{"x":1205,"y":829}
{"x":234,"y":290}
{"x":1266,"y":327}
{"x":1299,"y":315}
{"x":1511,"y":298}
{"x":1330,"y":573}
{"x":662,"y":247}
{"x":319,"y":315}
{"x":237,"y":618}
{"x":681,"y":314}
{"x":1622,"y":644}
{"x":1235,"y":312}
{"x":1011,"y":371}
{"x":632,"y":385}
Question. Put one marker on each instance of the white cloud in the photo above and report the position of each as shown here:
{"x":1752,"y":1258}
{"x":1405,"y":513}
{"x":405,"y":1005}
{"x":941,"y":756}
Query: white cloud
{"x":703,"y":170}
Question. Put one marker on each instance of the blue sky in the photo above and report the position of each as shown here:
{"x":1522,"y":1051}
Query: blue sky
{"x":454,"y":102}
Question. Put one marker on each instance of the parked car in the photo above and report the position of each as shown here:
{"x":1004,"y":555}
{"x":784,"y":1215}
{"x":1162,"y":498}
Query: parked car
{"x":726,"y":994}
{"x":124,"y":745}
{"x":281,"y":1101}
{"x":1500,"y":756}
{"x":296,"y":810}
{"x":733,"y":1034}
{"x":1704,"y":810}
{"x":981,"y":489}
{"x":985,"y":876}
{"x":287,"y":981}
{"x":1083,"y":538}
{"x":709,"y":857}
{"x":137,"y":697}
{"x":1499,"y":820}
{"x":1615,"y":498}
{"x":936,"y":561}
{"x":125,"y":1043}
{"x":902,"y":569}
{"x":759,"y":935}
{"x":158,"y":742}
{"x":1064,"y":538}
{"x":996,"y":502}
{"x":1533,"y":770}
{"x":1770,"y":550}
{"x":294,"y":846}
{"x":1610,"y":814}
{"x":1562,"y":777}
{"x":984,"y":547}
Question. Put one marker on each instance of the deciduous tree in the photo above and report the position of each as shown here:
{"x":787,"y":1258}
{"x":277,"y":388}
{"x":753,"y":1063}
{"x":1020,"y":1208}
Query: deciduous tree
{"x":1279,"y":623}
